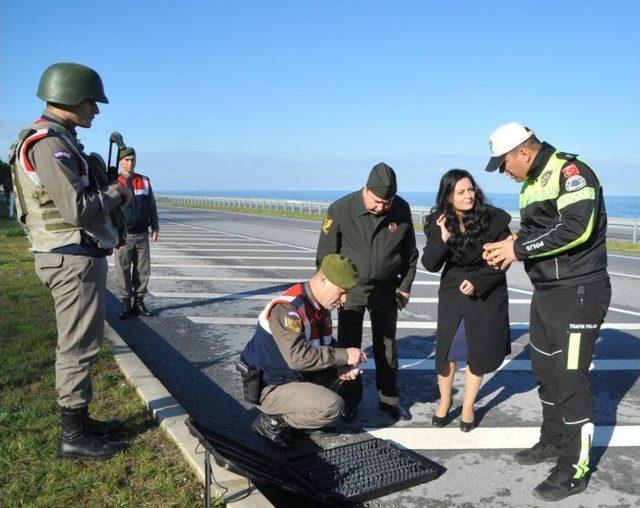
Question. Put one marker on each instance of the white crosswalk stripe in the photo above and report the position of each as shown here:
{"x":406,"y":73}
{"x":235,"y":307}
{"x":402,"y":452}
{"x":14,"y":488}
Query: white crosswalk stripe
{"x":484,"y":438}
{"x":418,"y":325}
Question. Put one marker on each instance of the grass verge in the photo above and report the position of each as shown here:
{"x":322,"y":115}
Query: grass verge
{"x":620,"y":246}
{"x":150,"y":472}
{"x":612,"y":245}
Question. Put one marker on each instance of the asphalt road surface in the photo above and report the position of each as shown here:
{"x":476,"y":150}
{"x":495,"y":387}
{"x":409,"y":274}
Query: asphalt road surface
{"x":212,"y":273}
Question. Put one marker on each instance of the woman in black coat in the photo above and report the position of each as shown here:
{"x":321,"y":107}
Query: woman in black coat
{"x":473,"y":306}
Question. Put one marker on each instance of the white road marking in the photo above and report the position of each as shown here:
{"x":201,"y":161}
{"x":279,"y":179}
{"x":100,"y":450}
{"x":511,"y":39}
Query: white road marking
{"x":218,"y":244}
{"x":310,"y":269}
{"x":484,"y":438}
{"x":197,"y":256}
{"x":278,"y":280}
{"x":279,"y":258}
{"x":523,"y":291}
{"x":617,"y":274}
{"x":415,"y":325}
{"x":200,"y":228}
{"x":256,"y":279}
{"x":507,"y":365}
{"x":190,"y":249}
{"x":226,"y":296}
{"x":635,"y":258}
{"x":165,"y":294}
{"x":203,"y":238}
{"x":252,"y":215}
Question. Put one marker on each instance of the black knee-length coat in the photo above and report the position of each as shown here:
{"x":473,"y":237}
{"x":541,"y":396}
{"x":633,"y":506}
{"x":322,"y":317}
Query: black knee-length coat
{"x":486,"y":313}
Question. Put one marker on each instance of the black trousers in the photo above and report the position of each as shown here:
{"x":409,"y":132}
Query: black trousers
{"x":383,"y":311}
{"x":564,"y":327}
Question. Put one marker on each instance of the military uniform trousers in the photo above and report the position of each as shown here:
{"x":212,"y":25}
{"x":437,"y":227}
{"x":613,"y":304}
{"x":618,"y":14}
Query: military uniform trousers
{"x":383,"y":311}
{"x":77,"y":285}
{"x":133,"y":266}
{"x":303,"y":404}
{"x":564,"y":327}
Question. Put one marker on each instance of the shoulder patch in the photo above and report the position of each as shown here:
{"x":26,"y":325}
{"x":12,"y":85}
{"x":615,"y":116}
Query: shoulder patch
{"x":326,"y":225}
{"x":574,"y":183}
{"x":567,"y":156}
{"x":544,"y":179}
{"x":570,"y":170}
{"x":293,"y":322}
{"x":61,"y":155}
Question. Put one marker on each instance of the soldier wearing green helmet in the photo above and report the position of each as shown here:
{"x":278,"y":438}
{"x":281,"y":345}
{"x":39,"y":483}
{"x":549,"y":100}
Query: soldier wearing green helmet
{"x":72,"y":218}
{"x":70,"y":84}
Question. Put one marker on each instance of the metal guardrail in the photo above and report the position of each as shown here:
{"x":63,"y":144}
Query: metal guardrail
{"x":618,"y":228}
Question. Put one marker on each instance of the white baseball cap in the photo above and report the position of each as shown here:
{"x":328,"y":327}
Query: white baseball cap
{"x":504,"y":139}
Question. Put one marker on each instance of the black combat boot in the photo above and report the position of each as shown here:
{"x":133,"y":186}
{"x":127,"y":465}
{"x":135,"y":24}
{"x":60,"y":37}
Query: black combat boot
{"x":273,"y":428}
{"x":101,"y":429}
{"x":77,"y":442}
{"x":139,"y":307}
{"x":126,"y":311}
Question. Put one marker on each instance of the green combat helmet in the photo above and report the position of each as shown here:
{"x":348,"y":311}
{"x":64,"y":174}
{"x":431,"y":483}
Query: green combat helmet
{"x":69,"y":84}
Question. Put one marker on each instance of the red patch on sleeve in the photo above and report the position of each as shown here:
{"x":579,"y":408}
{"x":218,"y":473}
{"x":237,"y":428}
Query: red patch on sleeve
{"x":570,"y":170}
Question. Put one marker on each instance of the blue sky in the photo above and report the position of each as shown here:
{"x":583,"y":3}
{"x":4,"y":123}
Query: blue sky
{"x":309,"y":95}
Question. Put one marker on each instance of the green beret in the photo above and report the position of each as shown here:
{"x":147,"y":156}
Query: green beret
{"x":382,"y":181}
{"x":340,"y":271}
{"x":126,"y":152}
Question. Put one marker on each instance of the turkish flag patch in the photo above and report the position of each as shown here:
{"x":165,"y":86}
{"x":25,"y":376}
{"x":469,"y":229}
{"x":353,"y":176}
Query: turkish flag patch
{"x":570,"y":170}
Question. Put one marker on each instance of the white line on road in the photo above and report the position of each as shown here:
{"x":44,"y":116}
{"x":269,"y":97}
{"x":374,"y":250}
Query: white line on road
{"x":279,"y":258}
{"x":635,"y":258}
{"x":617,"y":274}
{"x":522,"y":291}
{"x":219,"y":244}
{"x":225,"y":296}
{"x":278,"y":280}
{"x":258,"y":279}
{"x":193,"y":249}
{"x":507,"y":365}
{"x":203,"y":238}
{"x":186,"y":256}
{"x":234,"y":267}
{"x":200,"y":228}
{"x":418,"y":325}
{"x":265,"y":296}
{"x":494,"y":437}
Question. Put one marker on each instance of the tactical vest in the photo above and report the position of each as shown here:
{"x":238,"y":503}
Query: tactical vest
{"x":262,"y":351}
{"x":45,"y":226}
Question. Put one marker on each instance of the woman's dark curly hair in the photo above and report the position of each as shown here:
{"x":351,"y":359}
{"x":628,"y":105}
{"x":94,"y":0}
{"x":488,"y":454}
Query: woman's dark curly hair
{"x":476,"y":220}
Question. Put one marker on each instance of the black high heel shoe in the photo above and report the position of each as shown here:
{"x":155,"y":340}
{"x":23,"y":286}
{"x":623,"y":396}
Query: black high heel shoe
{"x":467,"y":426}
{"x":441,"y":421}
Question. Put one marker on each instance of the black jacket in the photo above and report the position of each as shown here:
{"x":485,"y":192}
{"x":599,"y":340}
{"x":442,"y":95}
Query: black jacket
{"x":563,"y":222}
{"x":382,"y":247}
{"x":486,"y":313}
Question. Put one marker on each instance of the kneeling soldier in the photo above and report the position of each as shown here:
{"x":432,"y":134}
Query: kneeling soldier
{"x":294,"y":349}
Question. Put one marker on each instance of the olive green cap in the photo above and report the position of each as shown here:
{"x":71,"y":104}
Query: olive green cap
{"x":69,"y":84}
{"x":340,"y":271}
{"x":125,"y":152}
{"x":382,"y":181}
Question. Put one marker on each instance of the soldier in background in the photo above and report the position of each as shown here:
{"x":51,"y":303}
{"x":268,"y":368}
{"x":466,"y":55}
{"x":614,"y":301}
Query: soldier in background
{"x":7,"y":186}
{"x":132,"y":260}
{"x":70,"y":215}
{"x":373,"y":227}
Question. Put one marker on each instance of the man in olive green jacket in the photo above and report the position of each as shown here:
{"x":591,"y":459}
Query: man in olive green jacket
{"x":373,"y":227}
